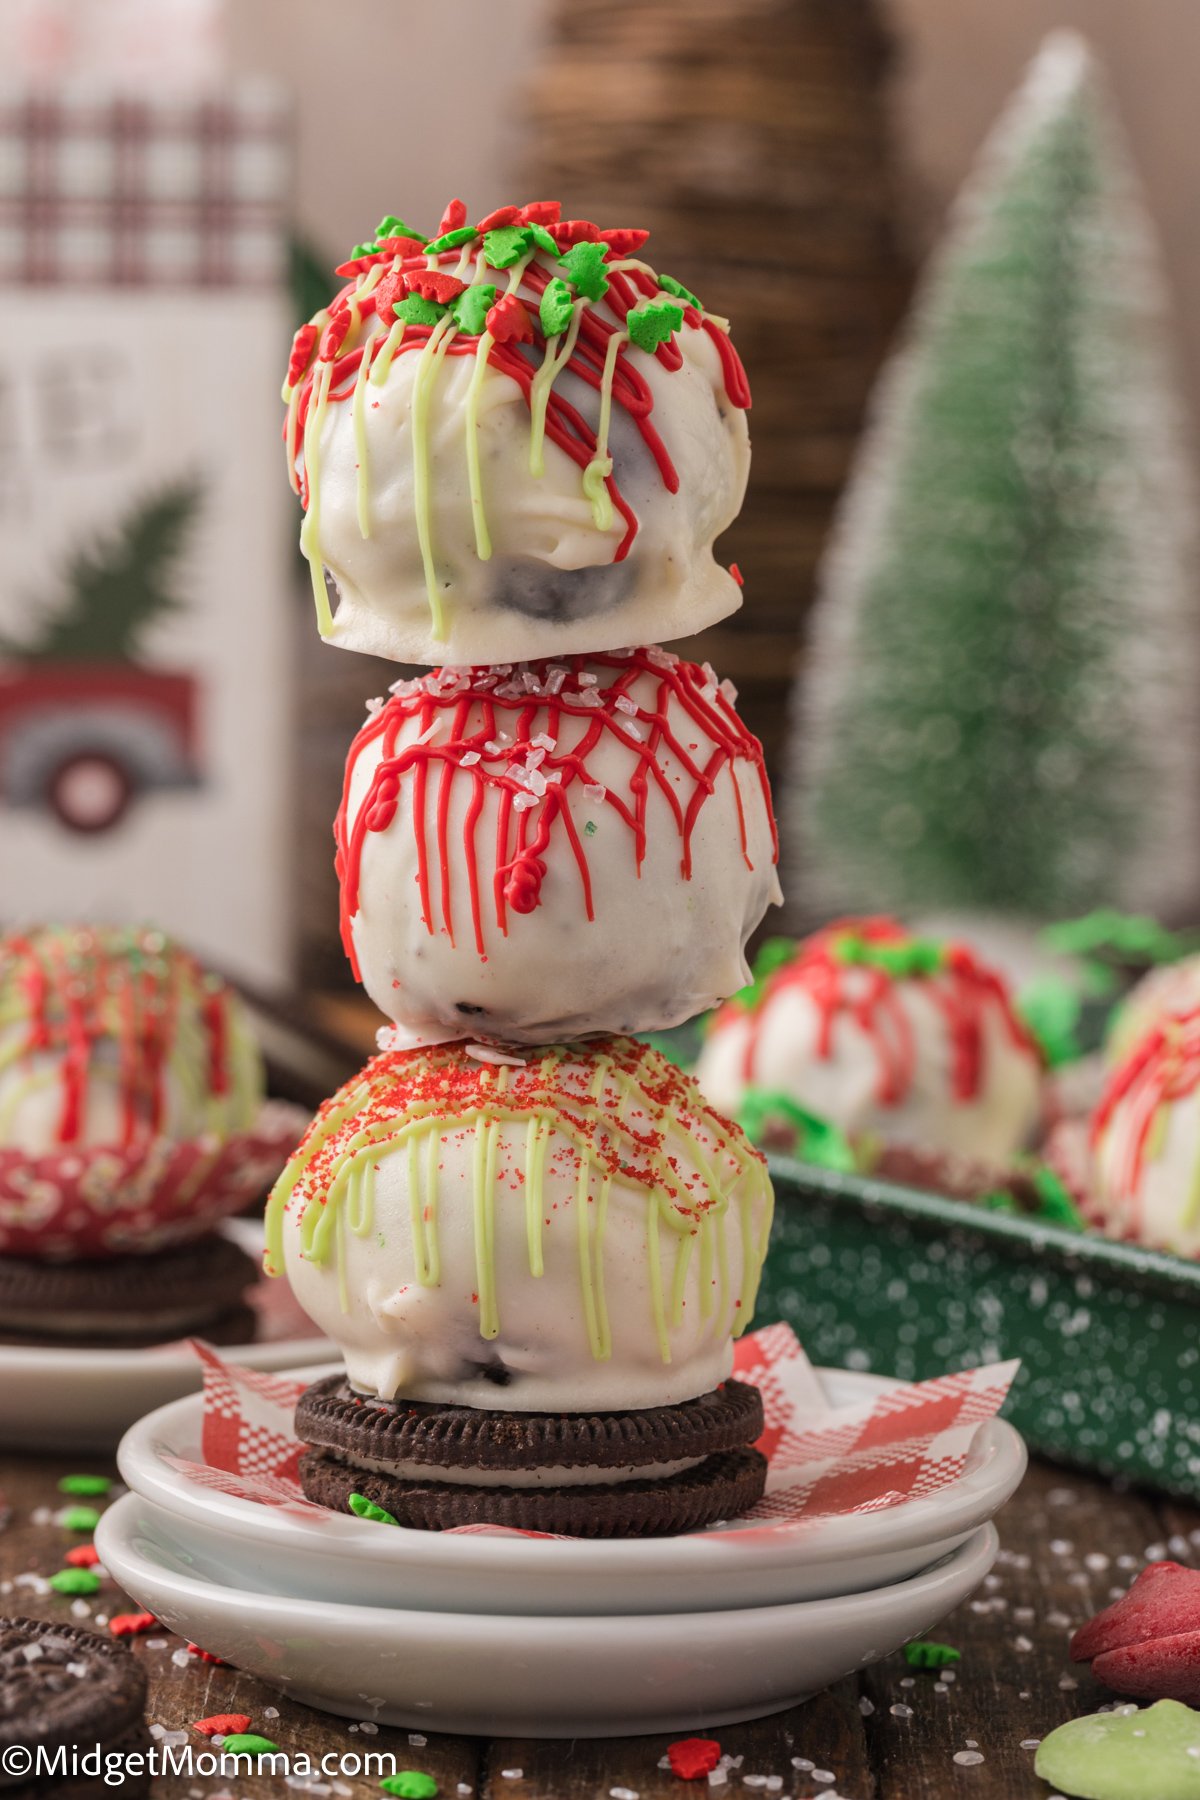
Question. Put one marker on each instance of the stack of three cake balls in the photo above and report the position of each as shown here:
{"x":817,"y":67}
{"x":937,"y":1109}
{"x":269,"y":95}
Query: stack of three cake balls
{"x":532,"y":1239}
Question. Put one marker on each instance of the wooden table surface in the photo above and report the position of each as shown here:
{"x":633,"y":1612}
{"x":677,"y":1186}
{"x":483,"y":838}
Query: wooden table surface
{"x":1069,"y":1544}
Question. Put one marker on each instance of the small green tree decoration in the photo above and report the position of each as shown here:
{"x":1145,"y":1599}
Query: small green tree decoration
{"x":1000,"y":706}
{"x":118,"y":586}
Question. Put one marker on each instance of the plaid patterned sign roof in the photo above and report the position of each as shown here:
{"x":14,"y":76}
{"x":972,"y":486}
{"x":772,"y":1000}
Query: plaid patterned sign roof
{"x":170,"y":192}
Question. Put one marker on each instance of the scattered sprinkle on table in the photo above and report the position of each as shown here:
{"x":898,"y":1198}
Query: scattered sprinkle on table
{"x":78,"y":1518}
{"x":222,"y":1725}
{"x":207,"y":1656}
{"x":87,"y":1486}
{"x":83,"y":1556}
{"x":410,"y":1784}
{"x":131,"y":1624}
{"x":928,"y":1655}
{"x":249,"y":1743}
{"x":75,"y":1581}
{"x":690,"y":1758}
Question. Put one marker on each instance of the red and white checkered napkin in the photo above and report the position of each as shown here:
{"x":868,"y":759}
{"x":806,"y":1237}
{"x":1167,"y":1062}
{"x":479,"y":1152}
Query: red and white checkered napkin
{"x":904,"y":1445}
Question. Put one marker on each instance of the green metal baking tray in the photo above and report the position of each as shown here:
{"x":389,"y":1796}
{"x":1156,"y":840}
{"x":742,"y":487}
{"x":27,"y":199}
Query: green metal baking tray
{"x":875,"y":1276}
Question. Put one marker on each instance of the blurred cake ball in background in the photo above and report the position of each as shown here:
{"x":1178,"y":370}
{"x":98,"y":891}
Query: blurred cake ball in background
{"x":1170,"y":988}
{"x":1145,"y":1138}
{"x":891,"y":1038}
{"x":132,"y":1111}
{"x":514,"y":438}
{"x":543,"y":850}
{"x":110,"y":1036}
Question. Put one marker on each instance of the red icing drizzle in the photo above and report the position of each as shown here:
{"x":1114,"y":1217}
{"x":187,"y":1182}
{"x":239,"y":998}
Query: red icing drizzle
{"x":963,"y":989}
{"x":1162,"y":1068}
{"x":83,"y":989}
{"x":689,"y":718}
{"x":565,"y":426}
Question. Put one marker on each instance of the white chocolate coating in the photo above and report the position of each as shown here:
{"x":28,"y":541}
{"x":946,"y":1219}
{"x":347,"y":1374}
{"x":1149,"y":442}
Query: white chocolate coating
{"x":477,"y":1266}
{"x":660,"y":945}
{"x":781,"y":1047}
{"x":550,"y":585}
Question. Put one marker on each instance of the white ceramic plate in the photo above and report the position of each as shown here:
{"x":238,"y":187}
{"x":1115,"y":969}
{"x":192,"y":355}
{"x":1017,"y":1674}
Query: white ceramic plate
{"x":334,"y":1557}
{"x":516,"y":1676}
{"x":90,"y":1397}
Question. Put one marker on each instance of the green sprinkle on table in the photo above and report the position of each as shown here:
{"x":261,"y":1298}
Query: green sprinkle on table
{"x":927,"y":1655}
{"x":248,"y":1743}
{"x":86,"y":1485}
{"x":75,"y":1581}
{"x":410,"y":1784}
{"x":367,"y":1509}
{"x":79,"y":1518}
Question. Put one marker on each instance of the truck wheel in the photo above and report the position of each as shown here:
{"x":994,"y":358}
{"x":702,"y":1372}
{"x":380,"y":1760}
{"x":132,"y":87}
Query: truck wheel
{"x":89,"y":791}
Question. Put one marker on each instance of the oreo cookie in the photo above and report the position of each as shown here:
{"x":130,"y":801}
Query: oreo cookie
{"x":62,"y":1689}
{"x":129,"y":1301}
{"x":655,"y":1472}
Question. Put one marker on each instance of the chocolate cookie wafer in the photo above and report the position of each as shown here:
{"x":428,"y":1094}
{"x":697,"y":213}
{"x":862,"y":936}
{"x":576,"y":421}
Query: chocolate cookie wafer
{"x":663,"y":1470}
{"x":129,"y":1300}
{"x":66,"y":1689}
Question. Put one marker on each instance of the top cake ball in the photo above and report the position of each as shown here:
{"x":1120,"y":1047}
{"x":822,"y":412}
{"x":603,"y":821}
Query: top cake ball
{"x":514,"y":440}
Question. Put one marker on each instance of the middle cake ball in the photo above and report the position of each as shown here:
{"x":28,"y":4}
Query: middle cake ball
{"x":535,"y":851}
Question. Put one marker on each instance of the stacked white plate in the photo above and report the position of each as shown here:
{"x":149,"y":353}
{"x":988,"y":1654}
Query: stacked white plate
{"x":550,"y":1638}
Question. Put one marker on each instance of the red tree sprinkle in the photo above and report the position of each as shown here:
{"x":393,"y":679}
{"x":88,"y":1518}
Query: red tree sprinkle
{"x":222,"y":1724}
{"x":131,"y":1624}
{"x":692,"y":1758}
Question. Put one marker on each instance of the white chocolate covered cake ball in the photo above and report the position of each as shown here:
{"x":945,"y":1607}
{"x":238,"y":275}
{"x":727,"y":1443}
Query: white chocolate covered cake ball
{"x":514,"y":439}
{"x":893,"y":1039}
{"x":576,"y":1232}
{"x":1169,"y":988}
{"x":543,"y":850}
{"x":111,"y":1037}
{"x":1145,"y":1140}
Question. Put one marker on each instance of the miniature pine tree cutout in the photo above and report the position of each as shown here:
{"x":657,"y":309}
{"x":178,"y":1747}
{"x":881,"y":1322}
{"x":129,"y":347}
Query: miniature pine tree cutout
{"x":999,"y":708}
{"x":117,"y":587}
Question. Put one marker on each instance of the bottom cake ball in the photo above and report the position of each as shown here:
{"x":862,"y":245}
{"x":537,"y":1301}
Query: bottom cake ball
{"x":535,"y":1269}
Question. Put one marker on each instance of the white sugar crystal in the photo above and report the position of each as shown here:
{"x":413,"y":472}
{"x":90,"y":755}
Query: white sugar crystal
{"x":464,"y":1788}
{"x":948,"y":1674}
{"x":180,"y":1658}
{"x":634,"y":730}
{"x":78,"y":1669}
{"x":900,"y":1711}
{"x":624,"y":704}
{"x":42,"y":1515}
{"x":967,"y":1759}
{"x":1030,"y":1743}
{"x":429,"y":733}
{"x":80,"y":1609}
{"x":623,"y":1793}
{"x":417,"y":1739}
{"x":825,"y":1776}
{"x":590,"y":697}
{"x":374,"y":706}
{"x":774,"y":1783}
{"x":32,"y":1652}
{"x":1152,"y":1552}
{"x":866,"y":1707}
{"x":595,"y":791}
{"x":1061,"y":1546}
{"x":368,"y":1725}
{"x":523,"y":802}
{"x":717,"y":1777}
{"x":803,"y":1764}
{"x":174,"y":1737}
{"x":512,"y":1774}
{"x":156,"y":1643}
{"x":543,"y":741}
{"x":469,"y":759}
{"x":588,"y":680}
{"x":754,"y":1781}
{"x":1022,"y":1644}
{"x":1096,"y":1561}
{"x":1067,"y":1683}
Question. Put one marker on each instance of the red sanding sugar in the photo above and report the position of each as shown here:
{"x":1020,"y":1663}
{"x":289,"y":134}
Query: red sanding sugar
{"x":690,"y":1758}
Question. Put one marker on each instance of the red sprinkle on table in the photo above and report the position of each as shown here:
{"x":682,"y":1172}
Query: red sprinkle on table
{"x":83,"y":1556}
{"x":222,"y":1724}
{"x":692,"y":1758}
{"x":131,"y":1624}
{"x":206,"y":1656}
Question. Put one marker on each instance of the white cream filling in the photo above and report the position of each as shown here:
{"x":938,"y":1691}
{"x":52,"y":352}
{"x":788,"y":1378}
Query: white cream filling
{"x":552,"y":1475}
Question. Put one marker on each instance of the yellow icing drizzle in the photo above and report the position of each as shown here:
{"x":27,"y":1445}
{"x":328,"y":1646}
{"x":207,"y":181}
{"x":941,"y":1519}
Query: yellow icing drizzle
{"x":432,"y":352}
{"x":347,"y":1204}
{"x":553,"y":361}
{"x":310,"y":530}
